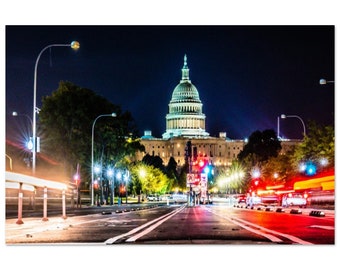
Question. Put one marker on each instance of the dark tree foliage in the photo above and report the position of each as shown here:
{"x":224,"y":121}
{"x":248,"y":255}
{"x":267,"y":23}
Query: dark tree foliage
{"x":182,"y":178}
{"x":260,"y":147}
{"x":171,"y":170}
{"x":65,"y":125}
{"x":154,"y":161}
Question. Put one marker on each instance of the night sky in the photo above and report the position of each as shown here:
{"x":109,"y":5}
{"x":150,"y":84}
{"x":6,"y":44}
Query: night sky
{"x":246,"y":76}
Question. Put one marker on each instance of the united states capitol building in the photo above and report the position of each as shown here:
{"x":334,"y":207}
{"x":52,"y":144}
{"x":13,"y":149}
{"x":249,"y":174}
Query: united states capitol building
{"x":186,"y":121}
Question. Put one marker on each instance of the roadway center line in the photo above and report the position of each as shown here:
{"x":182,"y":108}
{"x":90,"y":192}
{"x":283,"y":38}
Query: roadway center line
{"x":114,"y":239}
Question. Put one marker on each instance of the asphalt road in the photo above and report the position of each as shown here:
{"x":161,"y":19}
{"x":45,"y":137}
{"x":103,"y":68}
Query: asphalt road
{"x":215,"y":224}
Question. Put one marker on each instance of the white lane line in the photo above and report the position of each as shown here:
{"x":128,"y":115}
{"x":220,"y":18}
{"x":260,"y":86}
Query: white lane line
{"x":268,"y":236}
{"x":114,"y":239}
{"x":323,"y":227}
{"x":151,"y":228}
{"x":288,"y":236}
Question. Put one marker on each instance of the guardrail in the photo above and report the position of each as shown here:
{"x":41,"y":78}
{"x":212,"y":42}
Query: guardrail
{"x":25,"y":182}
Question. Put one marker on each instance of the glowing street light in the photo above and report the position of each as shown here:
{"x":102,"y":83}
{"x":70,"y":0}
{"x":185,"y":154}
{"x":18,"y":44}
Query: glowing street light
{"x":21,"y":114}
{"x":283,"y":116}
{"x":75,"y":46}
{"x":29,"y":143}
{"x":323,"y":81}
{"x":92,"y":168}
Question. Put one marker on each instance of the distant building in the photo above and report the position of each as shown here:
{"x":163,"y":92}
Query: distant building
{"x":186,"y":121}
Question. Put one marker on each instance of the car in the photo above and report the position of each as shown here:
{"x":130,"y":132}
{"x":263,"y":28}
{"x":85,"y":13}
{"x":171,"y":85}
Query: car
{"x":179,"y":198}
{"x":294,"y":199}
{"x":270,"y":200}
{"x":152,"y":197}
{"x":206,"y":200}
{"x":242,"y":199}
{"x":253,"y":200}
{"x":165,"y":197}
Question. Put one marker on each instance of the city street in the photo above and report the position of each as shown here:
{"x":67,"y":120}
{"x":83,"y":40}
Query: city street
{"x":219,"y":223}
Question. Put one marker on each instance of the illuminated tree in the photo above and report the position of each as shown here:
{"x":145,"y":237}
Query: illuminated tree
{"x":317,"y":147}
{"x":147,"y":179}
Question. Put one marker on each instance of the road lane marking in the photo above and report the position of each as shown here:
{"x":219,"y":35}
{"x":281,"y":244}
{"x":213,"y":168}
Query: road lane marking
{"x":240,"y":222}
{"x":268,"y":236}
{"x":114,"y":239}
{"x":288,"y":236}
{"x":151,"y":228}
{"x":323,"y":227}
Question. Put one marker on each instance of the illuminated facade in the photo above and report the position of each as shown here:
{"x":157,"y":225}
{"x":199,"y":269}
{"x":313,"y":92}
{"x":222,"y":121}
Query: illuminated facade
{"x":185,"y":117}
{"x":186,"y":121}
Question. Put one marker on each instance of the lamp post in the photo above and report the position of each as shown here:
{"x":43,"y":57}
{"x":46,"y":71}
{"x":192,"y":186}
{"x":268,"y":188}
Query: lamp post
{"x":126,"y":178}
{"x":92,"y":180}
{"x":323,"y":81}
{"x":110,"y":175}
{"x":29,"y":142}
{"x":278,"y":127}
{"x":74,"y":45}
{"x":283,"y":116}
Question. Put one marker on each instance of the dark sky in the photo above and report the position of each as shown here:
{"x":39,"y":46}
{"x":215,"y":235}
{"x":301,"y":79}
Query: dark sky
{"x":246,"y":75}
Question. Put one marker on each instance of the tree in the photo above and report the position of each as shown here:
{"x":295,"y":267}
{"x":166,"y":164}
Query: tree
{"x":318,"y":145}
{"x":171,"y":170}
{"x":278,"y":170}
{"x":66,"y":120}
{"x":148,"y":179}
{"x":154,"y":161}
{"x":260,"y":147}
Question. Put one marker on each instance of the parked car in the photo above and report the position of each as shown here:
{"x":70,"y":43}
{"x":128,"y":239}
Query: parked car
{"x":153,"y":197}
{"x":179,"y":198}
{"x":294,"y":199}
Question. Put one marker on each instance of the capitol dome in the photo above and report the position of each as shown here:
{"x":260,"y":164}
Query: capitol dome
{"x":185,"y":91}
{"x":185,"y":117}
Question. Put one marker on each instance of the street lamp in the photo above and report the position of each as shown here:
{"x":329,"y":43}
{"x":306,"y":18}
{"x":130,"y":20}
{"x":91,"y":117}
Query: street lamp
{"x":110,"y":175}
{"x":278,"y":127}
{"x":20,"y":114}
{"x":323,"y":81}
{"x":29,"y":140}
{"x":126,"y":178}
{"x":283,"y":116}
{"x":74,"y":45}
{"x":92,"y":173}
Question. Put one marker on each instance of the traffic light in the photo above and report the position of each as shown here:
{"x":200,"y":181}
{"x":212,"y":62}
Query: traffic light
{"x":310,"y":168}
{"x":202,"y":163}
